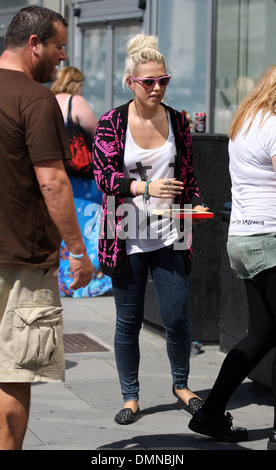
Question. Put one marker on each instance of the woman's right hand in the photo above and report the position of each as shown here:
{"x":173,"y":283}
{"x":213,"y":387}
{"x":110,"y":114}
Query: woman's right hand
{"x":162,"y":188}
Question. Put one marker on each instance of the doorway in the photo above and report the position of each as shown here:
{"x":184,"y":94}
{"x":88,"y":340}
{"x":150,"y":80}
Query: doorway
{"x":104,"y":49}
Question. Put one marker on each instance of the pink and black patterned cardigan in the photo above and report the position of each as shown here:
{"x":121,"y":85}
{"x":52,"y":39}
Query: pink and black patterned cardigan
{"x":108,"y":157}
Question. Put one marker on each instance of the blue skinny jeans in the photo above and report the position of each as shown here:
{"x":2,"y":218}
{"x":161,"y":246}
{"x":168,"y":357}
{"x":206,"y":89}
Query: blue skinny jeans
{"x":172,"y":287}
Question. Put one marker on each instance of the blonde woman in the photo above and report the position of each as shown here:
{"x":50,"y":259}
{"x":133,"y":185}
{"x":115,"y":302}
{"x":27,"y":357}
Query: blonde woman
{"x":252,"y":252}
{"x":80,"y":122}
{"x":143,"y":158}
{"x":69,"y":83}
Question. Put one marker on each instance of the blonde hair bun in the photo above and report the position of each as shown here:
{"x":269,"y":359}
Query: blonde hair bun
{"x":142,"y":48}
{"x":142,"y":44}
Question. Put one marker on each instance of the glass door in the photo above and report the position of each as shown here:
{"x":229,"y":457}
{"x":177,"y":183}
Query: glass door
{"x":104,"y":50}
{"x":94,"y":68}
{"x":245,"y":46}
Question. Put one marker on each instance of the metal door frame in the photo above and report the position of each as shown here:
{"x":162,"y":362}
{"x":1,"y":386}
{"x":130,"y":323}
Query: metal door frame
{"x":88,"y":17}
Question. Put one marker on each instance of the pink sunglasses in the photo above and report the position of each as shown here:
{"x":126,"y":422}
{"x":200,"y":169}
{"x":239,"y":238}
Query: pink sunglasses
{"x":148,"y":83}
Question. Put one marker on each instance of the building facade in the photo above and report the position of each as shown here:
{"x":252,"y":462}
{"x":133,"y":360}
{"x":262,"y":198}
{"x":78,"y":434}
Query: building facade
{"x":214,"y":49}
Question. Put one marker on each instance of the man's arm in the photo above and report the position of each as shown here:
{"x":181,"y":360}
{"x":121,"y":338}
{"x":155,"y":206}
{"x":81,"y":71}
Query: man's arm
{"x":57,"y":192}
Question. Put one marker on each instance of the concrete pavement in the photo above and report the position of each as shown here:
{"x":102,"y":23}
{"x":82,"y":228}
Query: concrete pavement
{"x":79,"y":414}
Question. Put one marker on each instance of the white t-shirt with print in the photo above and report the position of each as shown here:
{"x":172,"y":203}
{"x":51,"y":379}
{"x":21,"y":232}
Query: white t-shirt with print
{"x":143,"y":234}
{"x":253,"y":178}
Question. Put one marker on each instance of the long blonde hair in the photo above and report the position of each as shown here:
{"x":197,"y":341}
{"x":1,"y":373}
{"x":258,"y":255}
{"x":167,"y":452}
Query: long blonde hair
{"x":261,"y":98}
{"x":68,"y":81}
{"x":142,"y":49}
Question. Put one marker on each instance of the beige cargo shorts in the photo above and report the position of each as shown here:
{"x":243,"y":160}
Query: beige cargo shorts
{"x":31,"y":326}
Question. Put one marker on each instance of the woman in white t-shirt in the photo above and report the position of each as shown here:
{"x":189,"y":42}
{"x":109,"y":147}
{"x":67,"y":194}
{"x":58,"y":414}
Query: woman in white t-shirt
{"x":252,"y":253}
{"x":143,"y":160}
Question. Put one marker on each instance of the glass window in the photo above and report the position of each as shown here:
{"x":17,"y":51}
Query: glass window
{"x":94,"y":61}
{"x":182,"y":32}
{"x":244,"y":47}
{"x":103,"y":77}
{"x":122,"y":34}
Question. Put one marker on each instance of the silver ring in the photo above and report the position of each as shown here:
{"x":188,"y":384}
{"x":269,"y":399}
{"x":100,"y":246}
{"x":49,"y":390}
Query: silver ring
{"x":167,"y":184}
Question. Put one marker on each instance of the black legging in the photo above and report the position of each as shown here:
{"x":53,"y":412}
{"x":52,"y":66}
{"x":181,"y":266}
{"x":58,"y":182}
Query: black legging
{"x":241,"y":360}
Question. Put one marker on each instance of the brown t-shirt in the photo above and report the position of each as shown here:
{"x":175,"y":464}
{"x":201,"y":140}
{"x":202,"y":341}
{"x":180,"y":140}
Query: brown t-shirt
{"x":31,"y":130}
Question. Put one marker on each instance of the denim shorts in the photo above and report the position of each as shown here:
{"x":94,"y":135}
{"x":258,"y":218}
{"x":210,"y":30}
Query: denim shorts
{"x":250,"y":255}
{"x":31,"y":326}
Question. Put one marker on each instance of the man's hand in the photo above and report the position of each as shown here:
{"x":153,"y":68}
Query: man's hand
{"x":82,"y":270}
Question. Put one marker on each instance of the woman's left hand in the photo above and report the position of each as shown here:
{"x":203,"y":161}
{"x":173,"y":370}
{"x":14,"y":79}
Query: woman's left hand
{"x":200,"y":208}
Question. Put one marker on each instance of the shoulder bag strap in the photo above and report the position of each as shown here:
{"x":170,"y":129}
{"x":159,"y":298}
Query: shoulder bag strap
{"x":68,"y":107}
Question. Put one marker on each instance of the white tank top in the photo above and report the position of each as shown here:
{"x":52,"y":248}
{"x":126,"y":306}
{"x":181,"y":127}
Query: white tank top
{"x":142,"y":233}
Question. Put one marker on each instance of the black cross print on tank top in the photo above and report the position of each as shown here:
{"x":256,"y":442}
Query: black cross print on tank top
{"x":141,"y":170}
{"x":172,"y":165}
